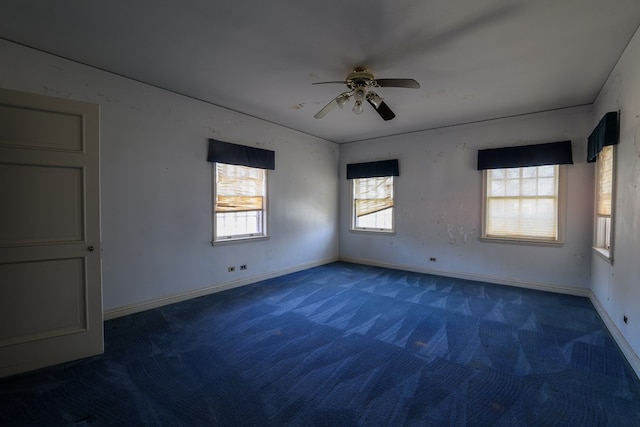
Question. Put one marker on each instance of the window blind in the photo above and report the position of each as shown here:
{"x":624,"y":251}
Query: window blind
{"x":238,"y":188}
{"x":373,"y":195}
{"x":522,"y":202}
{"x":605,"y":180}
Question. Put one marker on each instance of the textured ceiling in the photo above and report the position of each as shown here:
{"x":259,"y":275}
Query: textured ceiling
{"x":475,"y":59}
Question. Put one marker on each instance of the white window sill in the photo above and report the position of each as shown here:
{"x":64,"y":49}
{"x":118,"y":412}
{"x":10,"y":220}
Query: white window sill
{"x":239,"y":240}
{"x":511,"y":240}
{"x":372,"y":231}
{"x":604,"y":254}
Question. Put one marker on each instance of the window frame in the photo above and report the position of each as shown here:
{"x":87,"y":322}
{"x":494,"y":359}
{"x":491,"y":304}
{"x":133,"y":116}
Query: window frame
{"x":216,"y":240}
{"x":603,"y":252}
{"x":373,"y":230}
{"x":561,"y":198}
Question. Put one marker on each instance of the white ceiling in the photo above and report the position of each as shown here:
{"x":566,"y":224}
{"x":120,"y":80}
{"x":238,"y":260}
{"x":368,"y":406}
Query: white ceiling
{"x":475,"y":59}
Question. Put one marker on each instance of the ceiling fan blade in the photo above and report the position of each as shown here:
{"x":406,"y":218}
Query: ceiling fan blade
{"x":408,"y":83}
{"x":383,"y":109}
{"x":324,"y":83}
{"x":320,"y":114}
{"x":340,"y":100}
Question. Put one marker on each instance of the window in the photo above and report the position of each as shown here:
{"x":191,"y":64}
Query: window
{"x":373,"y":204}
{"x":604,"y":201}
{"x":239,"y":203}
{"x":522,"y":204}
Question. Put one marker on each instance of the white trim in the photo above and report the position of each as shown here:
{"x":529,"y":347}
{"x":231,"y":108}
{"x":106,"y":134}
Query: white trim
{"x":239,"y":240}
{"x":605,"y":254}
{"x":373,"y":231}
{"x":125,"y":310}
{"x":625,"y":347}
{"x":559,"y":289}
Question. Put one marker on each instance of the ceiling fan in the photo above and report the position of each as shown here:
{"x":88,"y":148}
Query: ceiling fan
{"x":360,"y":81}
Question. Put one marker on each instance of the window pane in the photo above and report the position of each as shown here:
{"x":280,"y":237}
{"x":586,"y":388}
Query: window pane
{"x":512,"y":172}
{"x":240,"y":207}
{"x":373,"y":203}
{"x":498,"y":188}
{"x":513,"y":187}
{"x":603,"y":232}
{"x":546,"y":186}
{"x":529,"y":187}
{"x":498,"y":173}
{"x":528,"y":208}
{"x":604,"y":194}
{"x":381,"y":220}
{"x":238,"y":223}
{"x":605,"y":180}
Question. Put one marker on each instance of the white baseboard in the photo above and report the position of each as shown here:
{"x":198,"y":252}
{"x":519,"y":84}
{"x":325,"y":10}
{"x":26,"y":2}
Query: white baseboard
{"x":113,"y":313}
{"x":625,"y":347}
{"x":559,"y":289}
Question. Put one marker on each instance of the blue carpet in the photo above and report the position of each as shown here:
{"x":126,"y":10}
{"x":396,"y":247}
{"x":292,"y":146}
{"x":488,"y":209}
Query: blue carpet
{"x":344,"y":345}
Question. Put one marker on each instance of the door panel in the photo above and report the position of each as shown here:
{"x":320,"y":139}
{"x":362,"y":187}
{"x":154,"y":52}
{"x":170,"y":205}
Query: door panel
{"x":47,"y":129}
{"x":53,"y":288}
{"x":45,"y":207}
{"x":50,"y":272}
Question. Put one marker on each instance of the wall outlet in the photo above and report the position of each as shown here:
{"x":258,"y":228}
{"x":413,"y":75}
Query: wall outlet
{"x":231,"y":269}
{"x":433,"y":259}
{"x":243,"y":267}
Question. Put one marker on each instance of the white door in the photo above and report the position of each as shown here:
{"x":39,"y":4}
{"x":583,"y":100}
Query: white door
{"x":50,"y":273}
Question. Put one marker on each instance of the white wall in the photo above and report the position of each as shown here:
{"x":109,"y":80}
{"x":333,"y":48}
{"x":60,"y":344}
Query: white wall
{"x":156,"y":192}
{"x":438,"y":201}
{"x":617,"y":286}
{"x":157,"y":186}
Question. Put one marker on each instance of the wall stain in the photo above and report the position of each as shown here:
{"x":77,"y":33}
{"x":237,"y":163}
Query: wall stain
{"x":48,"y":90}
{"x":438,"y":157}
{"x":55,"y":67}
{"x":102,"y":95}
{"x":452,"y":238}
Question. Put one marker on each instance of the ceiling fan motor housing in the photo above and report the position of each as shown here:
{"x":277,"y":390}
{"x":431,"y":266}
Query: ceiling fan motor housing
{"x":359,"y":77}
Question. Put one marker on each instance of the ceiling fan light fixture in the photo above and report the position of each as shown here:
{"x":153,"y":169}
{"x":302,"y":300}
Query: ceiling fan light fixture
{"x":343,"y":99}
{"x":360,"y":93}
{"x":374,"y":99}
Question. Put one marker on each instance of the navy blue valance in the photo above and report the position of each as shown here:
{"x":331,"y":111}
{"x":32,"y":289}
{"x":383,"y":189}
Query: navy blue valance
{"x":235,"y":154}
{"x":373,"y":169}
{"x":553,"y":153}
{"x":606,"y":133}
